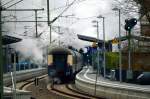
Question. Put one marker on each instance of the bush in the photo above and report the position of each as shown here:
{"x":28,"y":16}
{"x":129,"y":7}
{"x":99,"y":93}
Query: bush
{"x":112,"y":60}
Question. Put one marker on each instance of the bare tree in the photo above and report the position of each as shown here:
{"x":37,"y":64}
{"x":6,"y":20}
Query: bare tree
{"x":127,"y":7}
{"x":145,"y":8}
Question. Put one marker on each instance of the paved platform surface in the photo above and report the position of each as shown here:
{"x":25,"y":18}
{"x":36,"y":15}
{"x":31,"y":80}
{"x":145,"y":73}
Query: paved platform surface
{"x":86,"y":80}
{"x":88,"y":74}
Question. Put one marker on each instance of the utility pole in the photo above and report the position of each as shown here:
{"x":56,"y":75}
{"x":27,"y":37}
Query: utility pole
{"x":48,"y":16}
{"x":104,"y":49}
{"x":104,"y":64}
{"x":50,"y":30}
{"x":49,"y":23}
{"x":36,"y":24}
{"x":1,"y":62}
{"x":98,"y":66}
{"x":13,"y":73}
{"x":120,"y":54}
{"x":97,"y":69}
{"x":35,"y":10}
{"x":59,"y":34}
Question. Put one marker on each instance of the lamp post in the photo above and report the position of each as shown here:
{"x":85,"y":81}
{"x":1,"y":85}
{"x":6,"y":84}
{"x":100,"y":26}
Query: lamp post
{"x":104,"y":56}
{"x":120,"y":55}
{"x":97,"y":72}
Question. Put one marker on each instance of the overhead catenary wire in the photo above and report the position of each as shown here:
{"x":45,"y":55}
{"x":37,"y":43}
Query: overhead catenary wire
{"x":63,"y":11}
{"x":45,"y":9}
{"x":14,"y":4}
{"x":28,"y":16}
{"x":7,"y":2}
{"x":65,"y":6}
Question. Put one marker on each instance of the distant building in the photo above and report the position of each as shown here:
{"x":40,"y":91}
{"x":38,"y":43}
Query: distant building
{"x":145,"y":23}
{"x":144,"y":16}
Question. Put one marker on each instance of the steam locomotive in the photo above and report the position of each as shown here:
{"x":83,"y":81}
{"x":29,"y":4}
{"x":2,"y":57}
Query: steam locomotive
{"x":63,"y":64}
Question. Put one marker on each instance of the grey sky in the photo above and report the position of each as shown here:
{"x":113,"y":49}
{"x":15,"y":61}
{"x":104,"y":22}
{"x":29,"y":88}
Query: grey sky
{"x":84,"y":11}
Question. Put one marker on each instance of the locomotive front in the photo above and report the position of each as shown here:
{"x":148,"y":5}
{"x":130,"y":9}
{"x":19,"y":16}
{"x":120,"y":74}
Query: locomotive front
{"x":60,"y":61}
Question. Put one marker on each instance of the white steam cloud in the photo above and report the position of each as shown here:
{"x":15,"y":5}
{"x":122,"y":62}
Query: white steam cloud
{"x":30,"y":49}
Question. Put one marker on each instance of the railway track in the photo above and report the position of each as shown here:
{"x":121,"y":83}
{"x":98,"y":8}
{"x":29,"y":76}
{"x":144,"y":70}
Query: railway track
{"x":28,"y":82}
{"x":59,"y":91}
{"x":68,"y":91}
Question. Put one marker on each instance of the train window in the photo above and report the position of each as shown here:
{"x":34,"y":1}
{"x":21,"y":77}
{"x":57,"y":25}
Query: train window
{"x":70,"y":59}
{"x":50,"y":59}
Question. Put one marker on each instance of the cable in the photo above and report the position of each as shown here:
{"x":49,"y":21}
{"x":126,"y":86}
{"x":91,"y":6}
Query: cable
{"x":30,"y":15}
{"x":63,"y":11}
{"x":65,"y":6}
{"x":14,"y":4}
{"x":7,"y":2}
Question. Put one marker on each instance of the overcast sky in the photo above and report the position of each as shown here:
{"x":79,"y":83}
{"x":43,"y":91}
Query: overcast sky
{"x":79,"y":21}
{"x":83,"y":11}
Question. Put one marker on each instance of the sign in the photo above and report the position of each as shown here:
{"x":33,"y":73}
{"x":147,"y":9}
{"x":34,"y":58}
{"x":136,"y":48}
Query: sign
{"x":114,"y":41}
{"x":94,"y":44}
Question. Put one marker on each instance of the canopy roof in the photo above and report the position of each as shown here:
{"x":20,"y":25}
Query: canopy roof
{"x":88,"y":38}
{"x":9,"y":39}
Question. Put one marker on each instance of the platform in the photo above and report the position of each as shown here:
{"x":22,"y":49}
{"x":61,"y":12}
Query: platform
{"x":20,"y":94}
{"x":85,"y":81}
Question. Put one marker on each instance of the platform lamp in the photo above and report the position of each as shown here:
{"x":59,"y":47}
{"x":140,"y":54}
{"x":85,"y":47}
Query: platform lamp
{"x":119,"y":45}
{"x":97,"y":26}
{"x":104,"y":56}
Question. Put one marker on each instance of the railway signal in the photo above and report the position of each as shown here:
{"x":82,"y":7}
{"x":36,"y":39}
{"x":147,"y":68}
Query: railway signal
{"x":130,"y":24}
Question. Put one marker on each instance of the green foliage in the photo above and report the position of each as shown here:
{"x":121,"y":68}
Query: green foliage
{"x":112,"y":60}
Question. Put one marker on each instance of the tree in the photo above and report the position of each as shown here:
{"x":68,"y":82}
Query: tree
{"x":127,"y":7}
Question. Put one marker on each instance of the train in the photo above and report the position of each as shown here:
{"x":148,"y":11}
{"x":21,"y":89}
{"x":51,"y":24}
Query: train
{"x":63,"y":64}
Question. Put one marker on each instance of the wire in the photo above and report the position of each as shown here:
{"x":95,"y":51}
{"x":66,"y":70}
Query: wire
{"x":66,"y":5}
{"x":63,"y":11}
{"x":29,"y":15}
{"x":43,"y":12}
{"x":7,"y":2}
{"x":14,"y":4}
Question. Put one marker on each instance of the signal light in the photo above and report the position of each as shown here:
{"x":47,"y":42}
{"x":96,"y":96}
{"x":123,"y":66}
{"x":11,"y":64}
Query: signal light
{"x":130,"y":24}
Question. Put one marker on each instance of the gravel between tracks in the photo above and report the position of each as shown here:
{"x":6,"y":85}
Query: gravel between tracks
{"x":41,"y":91}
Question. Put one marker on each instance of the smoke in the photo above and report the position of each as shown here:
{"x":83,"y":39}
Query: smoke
{"x":31,"y":49}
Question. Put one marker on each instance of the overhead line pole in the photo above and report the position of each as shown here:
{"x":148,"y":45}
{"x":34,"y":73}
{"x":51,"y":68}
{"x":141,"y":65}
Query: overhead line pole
{"x":120,"y":53}
{"x":48,"y":14}
{"x":97,"y":71}
{"x":104,"y":62}
{"x":1,"y":62}
{"x":49,"y":23}
{"x":36,"y":31}
{"x":35,"y":10}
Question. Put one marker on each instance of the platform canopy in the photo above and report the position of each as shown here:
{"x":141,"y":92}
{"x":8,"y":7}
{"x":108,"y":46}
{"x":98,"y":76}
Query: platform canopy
{"x":9,"y":39}
{"x":88,"y":38}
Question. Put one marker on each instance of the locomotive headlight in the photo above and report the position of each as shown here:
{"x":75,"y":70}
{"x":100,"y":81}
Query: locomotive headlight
{"x":50,"y":60}
{"x":70,"y":60}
